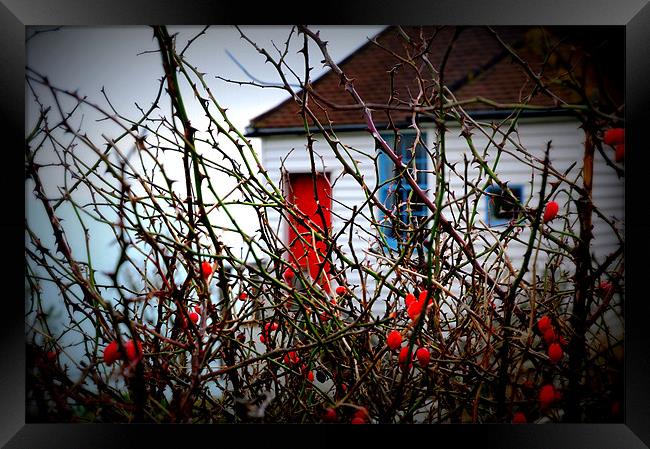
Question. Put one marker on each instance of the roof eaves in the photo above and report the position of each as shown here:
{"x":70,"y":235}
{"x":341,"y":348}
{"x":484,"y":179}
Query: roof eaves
{"x":482,"y":114}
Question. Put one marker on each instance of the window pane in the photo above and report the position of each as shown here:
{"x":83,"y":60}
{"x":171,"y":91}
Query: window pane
{"x":500,"y":206}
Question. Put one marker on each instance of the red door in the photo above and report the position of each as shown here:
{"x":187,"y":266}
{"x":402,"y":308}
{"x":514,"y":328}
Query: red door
{"x":308,"y":251}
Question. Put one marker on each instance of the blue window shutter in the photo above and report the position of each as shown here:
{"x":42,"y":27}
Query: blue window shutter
{"x":386,"y":172}
{"x":398,"y":191}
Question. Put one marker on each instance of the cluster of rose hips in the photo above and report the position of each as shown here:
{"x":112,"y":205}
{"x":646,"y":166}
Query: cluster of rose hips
{"x":414,"y":306}
{"x":112,"y":354}
{"x":194,"y":316}
{"x":553,"y":341}
{"x":360,"y":416}
{"x":615,"y":137}
{"x":265,"y":335}
{"x":340,"y":291}
{"x":547,"y":396}
{"x":291,"y":358}
{"x":394,"y":341}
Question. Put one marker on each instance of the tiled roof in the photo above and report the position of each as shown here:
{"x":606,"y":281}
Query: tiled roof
{"x":477,"y":66}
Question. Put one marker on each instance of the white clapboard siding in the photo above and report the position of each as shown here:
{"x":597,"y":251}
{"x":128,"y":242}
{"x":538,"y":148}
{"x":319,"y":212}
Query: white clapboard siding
{"x":567,"y":147}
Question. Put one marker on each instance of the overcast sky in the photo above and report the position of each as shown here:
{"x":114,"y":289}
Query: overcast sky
{"x":89,"y":58}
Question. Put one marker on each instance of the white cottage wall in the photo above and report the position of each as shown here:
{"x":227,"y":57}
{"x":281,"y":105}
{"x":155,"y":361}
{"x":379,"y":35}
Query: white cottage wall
{"x":289,"y":152}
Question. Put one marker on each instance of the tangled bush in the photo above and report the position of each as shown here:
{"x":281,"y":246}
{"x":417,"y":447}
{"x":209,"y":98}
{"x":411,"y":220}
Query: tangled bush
{"x":187,"y":328}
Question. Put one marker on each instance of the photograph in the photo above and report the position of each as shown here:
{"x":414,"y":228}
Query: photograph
{"x":348,"y":224}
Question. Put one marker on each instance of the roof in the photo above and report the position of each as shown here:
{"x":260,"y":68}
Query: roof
{"x":477,"y":66}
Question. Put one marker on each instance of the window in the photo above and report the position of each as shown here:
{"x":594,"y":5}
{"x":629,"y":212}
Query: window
{"x":395,"y":192}
{"x":500,"y":207}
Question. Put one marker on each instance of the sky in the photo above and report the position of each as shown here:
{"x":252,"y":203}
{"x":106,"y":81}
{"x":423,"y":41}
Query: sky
{"x":120,"y":59}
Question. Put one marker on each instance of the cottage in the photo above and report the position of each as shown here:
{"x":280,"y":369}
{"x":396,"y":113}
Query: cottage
{"x":489,"y":83}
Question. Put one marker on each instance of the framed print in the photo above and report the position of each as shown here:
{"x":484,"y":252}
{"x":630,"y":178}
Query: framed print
{"x":432,"y":220}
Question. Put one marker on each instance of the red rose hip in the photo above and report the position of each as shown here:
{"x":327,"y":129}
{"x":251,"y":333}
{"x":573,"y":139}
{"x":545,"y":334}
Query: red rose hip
{"x":549,"y":336}
{"x":619,"y":154}
{"x":519,"y":418}
{"x":414,"y":310}
{"x":403,"y":358}
{"x":544,"y":323}
{"x":546,"y":395}
{"x":394,"y":340}
{"x":329,"y":415}
{"x":555,"y":352}
{"x":111,"y":353}
{"x":550,"y":211}
{"x":423,"y":355}
{"x":206,"y":270}
{"x":614,"y":136}
{"x":288,"y":275}
{"x":410,"y":299}
{"x":131,"y":353}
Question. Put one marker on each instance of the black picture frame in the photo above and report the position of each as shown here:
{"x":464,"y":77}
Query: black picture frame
{"x":15,"y":15}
